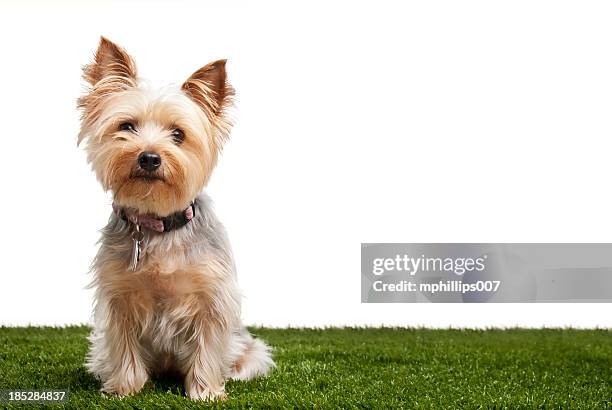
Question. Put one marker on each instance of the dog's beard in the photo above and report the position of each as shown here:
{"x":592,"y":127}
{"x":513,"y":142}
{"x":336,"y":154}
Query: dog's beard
{"x":150,"y":193}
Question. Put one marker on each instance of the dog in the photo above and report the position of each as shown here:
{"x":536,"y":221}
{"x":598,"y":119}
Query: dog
{"x":166,"y":294}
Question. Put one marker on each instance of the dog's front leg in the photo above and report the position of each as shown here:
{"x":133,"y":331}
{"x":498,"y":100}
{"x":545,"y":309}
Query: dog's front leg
{"x":126,"y":371}
{"x":203,"y":362}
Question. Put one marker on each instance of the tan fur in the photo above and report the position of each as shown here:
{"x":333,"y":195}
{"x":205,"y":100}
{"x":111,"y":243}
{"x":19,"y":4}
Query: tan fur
{"x":180,"y":310}
{"x":161,"y":310}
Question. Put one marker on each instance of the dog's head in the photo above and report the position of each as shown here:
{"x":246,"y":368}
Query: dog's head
{"x":154,"y":150}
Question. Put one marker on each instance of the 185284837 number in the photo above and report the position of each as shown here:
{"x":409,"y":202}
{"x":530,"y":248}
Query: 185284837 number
{"x":33,"y":396}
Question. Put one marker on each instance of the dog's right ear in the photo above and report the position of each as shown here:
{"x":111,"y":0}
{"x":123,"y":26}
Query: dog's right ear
{"x":111,"y":71}
{"x":113,"y":63}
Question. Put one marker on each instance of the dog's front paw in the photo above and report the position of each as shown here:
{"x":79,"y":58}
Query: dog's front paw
{"x":120,"y":390}
{"x":197,"y":391}
{"x":125,"y":383}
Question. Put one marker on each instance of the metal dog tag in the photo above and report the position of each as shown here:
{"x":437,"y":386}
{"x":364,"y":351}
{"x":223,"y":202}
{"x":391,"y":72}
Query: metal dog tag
{"x":137,"y":237}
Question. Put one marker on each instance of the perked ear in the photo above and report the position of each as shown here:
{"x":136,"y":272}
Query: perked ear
{"x":113,"y":63}
{"x":208,"y":88}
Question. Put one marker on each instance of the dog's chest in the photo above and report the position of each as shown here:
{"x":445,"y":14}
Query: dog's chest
{"x":167,"y":273}
{"x":159,"y":286}
{"x":164,"y":286}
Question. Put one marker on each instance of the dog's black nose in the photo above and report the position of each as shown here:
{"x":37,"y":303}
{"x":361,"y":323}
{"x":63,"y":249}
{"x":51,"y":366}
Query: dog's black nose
{"x":149,"y":161}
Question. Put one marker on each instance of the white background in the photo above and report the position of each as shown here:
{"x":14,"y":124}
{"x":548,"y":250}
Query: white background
{"x":427,"y":122}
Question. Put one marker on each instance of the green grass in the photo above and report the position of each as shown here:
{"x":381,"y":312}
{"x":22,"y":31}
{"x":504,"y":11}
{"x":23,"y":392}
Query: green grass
{"x":332,"y":368}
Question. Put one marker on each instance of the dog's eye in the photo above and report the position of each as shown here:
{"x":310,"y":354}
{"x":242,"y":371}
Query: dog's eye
{"x":127,"y":126}
{"x":178,"y":136}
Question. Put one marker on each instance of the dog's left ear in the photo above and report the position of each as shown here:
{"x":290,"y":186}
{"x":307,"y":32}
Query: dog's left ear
{"x":209,"y":89}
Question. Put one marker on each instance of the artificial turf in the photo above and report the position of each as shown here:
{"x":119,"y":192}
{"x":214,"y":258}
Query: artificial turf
{"x":344,"y":368}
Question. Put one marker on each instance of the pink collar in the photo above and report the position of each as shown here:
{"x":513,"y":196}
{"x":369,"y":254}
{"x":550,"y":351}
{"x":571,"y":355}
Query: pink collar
{"x":154,"y":223}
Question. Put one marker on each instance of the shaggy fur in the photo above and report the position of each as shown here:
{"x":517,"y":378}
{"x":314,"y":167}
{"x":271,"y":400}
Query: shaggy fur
{"x":180,"y":309}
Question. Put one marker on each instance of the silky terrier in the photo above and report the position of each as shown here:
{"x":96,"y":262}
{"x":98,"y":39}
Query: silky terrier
{"x":166,"y":298}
